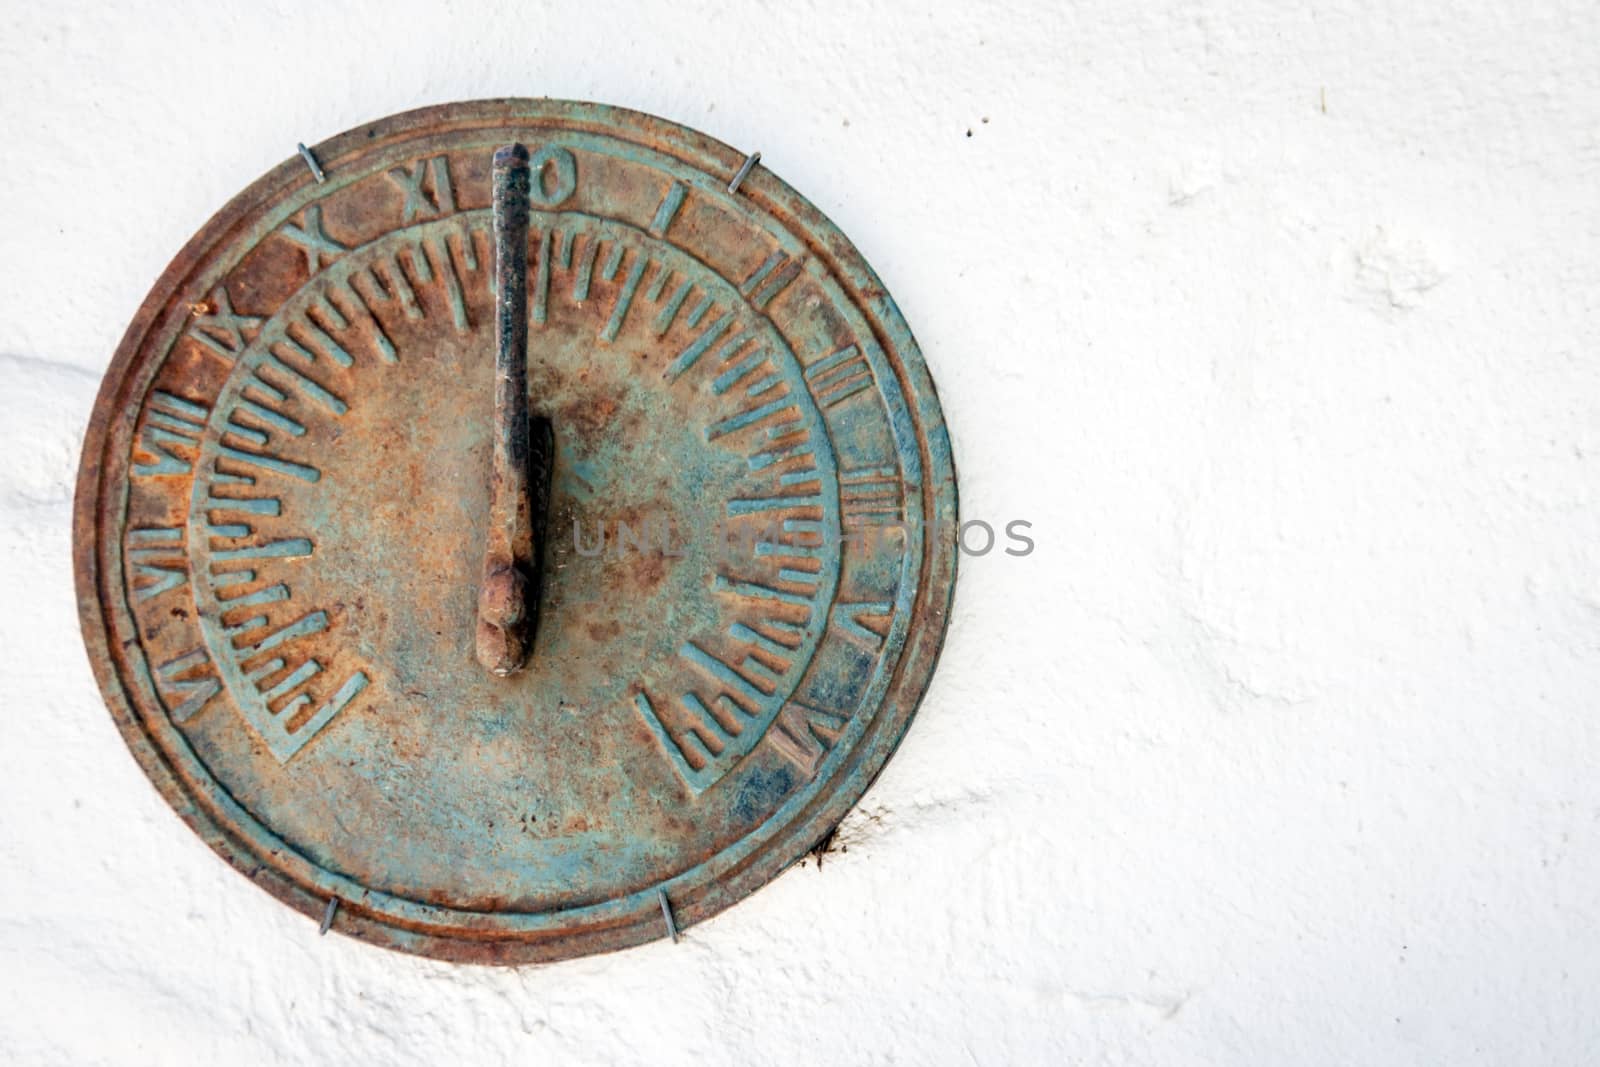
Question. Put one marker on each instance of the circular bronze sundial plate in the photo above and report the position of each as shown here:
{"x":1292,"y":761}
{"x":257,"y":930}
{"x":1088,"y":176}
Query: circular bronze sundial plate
{"x":739,"y":490}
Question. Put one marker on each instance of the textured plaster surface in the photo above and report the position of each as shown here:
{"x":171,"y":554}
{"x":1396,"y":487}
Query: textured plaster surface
{"x":1280,"y":323}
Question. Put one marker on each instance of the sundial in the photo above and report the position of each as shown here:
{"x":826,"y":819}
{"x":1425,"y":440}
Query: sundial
{"x":515,"y":530}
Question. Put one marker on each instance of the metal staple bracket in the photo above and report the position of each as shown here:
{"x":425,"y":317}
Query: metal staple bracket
{"x":749,"y":162}
{"x":327,"y":916}
{"x":666,"y":913}
{"x":311,"y":161}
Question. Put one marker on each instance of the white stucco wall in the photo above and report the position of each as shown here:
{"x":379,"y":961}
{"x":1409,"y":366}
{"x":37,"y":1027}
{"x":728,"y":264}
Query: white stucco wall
{"x":1282,"y":326}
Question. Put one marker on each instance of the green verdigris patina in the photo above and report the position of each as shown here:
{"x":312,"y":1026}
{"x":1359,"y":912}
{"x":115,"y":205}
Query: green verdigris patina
{"x":744,"y":567}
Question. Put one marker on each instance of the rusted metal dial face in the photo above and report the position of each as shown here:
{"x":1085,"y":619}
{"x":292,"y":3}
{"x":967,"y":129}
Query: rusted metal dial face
{"x":747,"y":557}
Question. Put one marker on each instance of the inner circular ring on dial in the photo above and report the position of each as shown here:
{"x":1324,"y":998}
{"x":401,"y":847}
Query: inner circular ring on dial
{"x":319,"y":450}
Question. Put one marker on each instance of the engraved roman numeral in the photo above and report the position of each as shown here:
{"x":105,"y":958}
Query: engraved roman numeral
{"x":805,"y":735}
{"x":555,"y":175}
{"x":183,"y":690}
{"x":170,"y":421}
{"x":312,"y":238}
{"x":870,"y":496}
{"x":222,"y":330}
{"x":837,"y":377}
{"x":771,"y":278}
{"x":852,"y":621}
{"x":668,"y":209}
{"x":158,"y":560}
{"x":418,"y":203}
